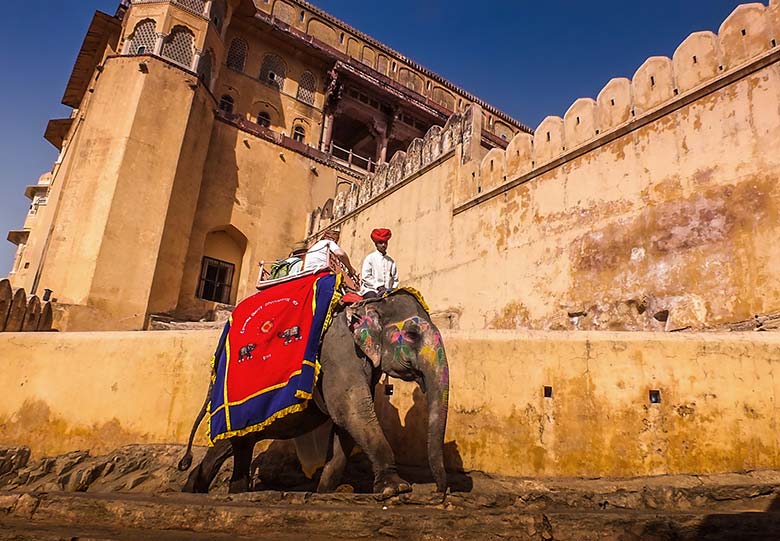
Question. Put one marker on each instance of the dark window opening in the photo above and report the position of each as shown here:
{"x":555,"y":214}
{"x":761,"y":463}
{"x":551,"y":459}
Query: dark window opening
{"x":140,"y":50}
{"x":695,"y":60}
{"x":264,"y":119}
{"x":216,"y":279}
{"x":299,"y":134}
{"x":548,"y":391}
{"x":226,"y":103}
{"x":652,"y":81}
{"x":655,"y":397}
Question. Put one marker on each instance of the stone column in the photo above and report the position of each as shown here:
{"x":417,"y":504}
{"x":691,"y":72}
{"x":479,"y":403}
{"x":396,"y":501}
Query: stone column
{"x":327,"y":132}
{"x":195,"y":61}
{"x":158,"y":44}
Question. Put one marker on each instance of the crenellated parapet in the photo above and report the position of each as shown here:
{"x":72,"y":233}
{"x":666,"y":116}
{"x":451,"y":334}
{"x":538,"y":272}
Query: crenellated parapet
{"x":750,"y":32}
{"x":421,"y":154}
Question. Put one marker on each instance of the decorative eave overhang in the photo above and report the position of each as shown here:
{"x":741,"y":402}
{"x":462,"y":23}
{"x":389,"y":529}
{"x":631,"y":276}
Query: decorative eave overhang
{"x":379,"y":80}
{"x":56,"y":131}
{"x":104,"y":30}
{"x":35,"y":189}
{"x":422,"y":69}
{"x":18,"y":236}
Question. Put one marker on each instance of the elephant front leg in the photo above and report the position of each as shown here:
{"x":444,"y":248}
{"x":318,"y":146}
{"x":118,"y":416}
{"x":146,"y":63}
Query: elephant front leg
{"x":341,"y":448}
{"x":242,"y":463}
{"x":354,"y":411}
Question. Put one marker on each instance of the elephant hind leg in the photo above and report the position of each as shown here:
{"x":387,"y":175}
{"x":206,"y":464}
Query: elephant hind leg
{"x":203,"y":474}
{"x":341,"y":448}
{"x":243,"y":448}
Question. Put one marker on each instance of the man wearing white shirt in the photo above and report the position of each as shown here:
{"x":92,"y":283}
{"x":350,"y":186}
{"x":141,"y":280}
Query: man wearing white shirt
{"x":317,"y":255}
{"x":379,"y":272}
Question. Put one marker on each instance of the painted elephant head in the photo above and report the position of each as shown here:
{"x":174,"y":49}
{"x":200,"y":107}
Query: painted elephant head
{"x":397,"y":335}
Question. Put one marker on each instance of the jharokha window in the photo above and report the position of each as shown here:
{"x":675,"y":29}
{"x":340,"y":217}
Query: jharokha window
{"x":273,"y":71}
{"x":299,"y":134}
{"x":216,"y":279}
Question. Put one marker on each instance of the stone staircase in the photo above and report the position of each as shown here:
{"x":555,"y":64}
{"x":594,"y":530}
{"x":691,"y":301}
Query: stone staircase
{"x":133,"y":494}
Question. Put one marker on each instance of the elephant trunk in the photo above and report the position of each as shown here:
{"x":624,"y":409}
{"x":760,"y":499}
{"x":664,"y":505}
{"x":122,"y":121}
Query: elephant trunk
{"x":437,"y":382}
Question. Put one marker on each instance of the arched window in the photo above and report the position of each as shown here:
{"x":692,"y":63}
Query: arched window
{"x":204,"y":68}
{"x":226,"y":103}
{"x":143,"y":38}
{"x":306,"y":86}
{"x":236,"y":57}
{"x":179,"y":46}
{"x":299,"y":134}
{"x":273,"y":71}
{"x":264,"y":119}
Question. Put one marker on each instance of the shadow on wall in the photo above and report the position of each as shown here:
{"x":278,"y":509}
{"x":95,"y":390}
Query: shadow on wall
{"x":409,"y":439}
{"x":718,"y":527}
{"x":278,"y":467}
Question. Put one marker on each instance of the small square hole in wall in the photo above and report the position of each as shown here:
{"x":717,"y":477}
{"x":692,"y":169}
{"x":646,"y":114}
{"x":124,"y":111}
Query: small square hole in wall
{"x":676,"y":91}
{"x":774,"y":43}
{"x":548,"y":391}
{"x":695,"y":60}
{"x":655,"y":396}
{"x":612,"y":101}
{"x":652,"y":80}
{"x":744,"y":32}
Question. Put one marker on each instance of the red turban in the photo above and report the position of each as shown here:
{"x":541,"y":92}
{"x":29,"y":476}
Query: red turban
{"x":381,"y":235}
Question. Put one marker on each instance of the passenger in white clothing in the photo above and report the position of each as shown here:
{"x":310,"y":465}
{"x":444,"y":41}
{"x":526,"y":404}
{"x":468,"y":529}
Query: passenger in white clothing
{"x":317,"y":254}
{"x":380,"y":273}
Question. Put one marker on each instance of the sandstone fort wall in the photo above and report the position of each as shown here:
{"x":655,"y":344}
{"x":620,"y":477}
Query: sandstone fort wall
{"x":100,"y":391}
{"x":652,"y":207}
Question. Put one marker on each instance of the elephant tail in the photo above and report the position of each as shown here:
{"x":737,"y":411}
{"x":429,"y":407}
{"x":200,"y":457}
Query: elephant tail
{"x":186,"y":460}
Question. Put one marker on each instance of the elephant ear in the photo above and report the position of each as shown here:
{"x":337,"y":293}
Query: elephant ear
{"x":366,"y":331}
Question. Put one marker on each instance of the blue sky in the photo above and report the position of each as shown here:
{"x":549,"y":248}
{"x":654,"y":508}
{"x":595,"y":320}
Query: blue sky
{"x":530,"y":59}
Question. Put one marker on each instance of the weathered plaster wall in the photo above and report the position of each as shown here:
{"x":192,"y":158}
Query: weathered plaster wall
{"x":122,"y":188}
{"x":717,"y":412}
{"x":653,"y":207}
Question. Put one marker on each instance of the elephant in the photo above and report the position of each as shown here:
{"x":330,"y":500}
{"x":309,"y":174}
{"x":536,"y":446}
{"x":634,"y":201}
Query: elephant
{"x":391,"y":335}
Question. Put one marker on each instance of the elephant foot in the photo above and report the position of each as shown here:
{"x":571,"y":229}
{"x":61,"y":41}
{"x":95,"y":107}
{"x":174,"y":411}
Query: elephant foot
{"x":389,"y":485}
{"x":239,"y":487}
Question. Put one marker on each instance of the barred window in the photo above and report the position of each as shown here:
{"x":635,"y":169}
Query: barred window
{"x":236,"y":57}
{"x":299,"y":134}
{"x":264,"y":119}
{"x":216,"y":279}
{"x":179,"y":46}
{"x":143,"y":38}
{"x":226,"y":103}
{"x":204,"y":68}
{"x":273,"y":71}
{"x":198,"y":6}
{"x":306,"y":86}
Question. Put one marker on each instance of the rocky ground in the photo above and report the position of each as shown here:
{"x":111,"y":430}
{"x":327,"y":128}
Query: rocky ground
{"x":133,"y":494}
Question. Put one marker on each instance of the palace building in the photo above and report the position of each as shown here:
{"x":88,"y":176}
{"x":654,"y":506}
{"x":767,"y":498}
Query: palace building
{"x":208,"y":136}
{"x":203,"y":135}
